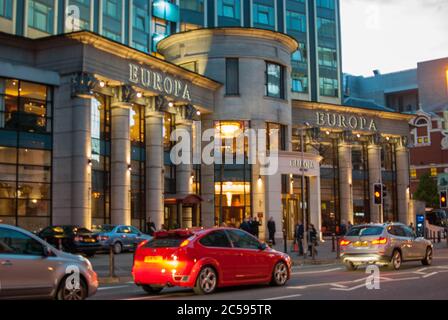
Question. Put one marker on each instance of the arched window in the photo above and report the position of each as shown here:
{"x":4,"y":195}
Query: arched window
{"x":422,"y":132}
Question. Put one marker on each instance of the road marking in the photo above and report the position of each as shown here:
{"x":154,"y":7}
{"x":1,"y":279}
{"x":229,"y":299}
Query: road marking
{"x":319,"y":271}
{"x":421,"y":270}
{"x":284,"y":297}
{"x":338,"y":285}
{"x":430,"y":274}
{"x":114,"y":287}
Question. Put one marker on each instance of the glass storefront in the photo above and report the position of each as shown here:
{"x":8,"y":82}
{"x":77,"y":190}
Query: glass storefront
{"x":360,"y":175}
{"x":137,"y":134}
{"x":100,"y":134}
{"x":389,"y":178}
{"x":25,"y":153}
{"x":232,"y":181}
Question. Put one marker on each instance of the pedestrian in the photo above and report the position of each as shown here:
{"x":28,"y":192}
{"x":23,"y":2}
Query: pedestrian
{"x":223,"y":225}
{"x":163,"y":228}
{"x":299,"y":232}
{"x":312,"y":240}
{"x":255,"y":227}
{"x":150,"y":227}
{"x":245,"y":225}
{"x":342,"y":228}
{"x":349,"y":226}
{"x":271,"y":230}
{"x":411,"y":226}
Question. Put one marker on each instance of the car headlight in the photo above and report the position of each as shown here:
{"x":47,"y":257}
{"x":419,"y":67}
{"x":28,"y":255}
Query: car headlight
{"x":88,"y":264}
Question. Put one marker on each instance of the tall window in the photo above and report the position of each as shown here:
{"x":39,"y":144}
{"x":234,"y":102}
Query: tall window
{"x":295,"y":21}
{"x":275,"y":83}
{"x":137,"y":135}
{"x":140,"y":25}
{"x":41,"y":15}
{"x":328,"y":4}
{"x":326,"y":28}
{"x":25,"y":153}
{"x":232,"y":76}
{"x":422,"y":132}
{"x":229,"y":12}
{"x":329,"y":87}
{"x":84,"y":14}
{"x":279,"y":130}
{"x":100,"y":135}
{"x":6,"y":9}
{"x":193,"y":5}
{"x":112,"y":19}
{"x":361,"y":200}
{"x":328,"y":57}
{"x":264,"y":16}
{"x":232,"y":181}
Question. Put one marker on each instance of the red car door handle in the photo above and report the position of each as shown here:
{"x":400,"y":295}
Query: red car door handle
{"x":6,"y":263}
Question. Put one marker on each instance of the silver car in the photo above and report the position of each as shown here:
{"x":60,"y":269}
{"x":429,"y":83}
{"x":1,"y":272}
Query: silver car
{"x":30,"y":267}
{"x":388,"y":244}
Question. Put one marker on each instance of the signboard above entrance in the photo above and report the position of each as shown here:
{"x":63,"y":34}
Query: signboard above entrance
{"x":345,"y":121}
{"x":159,"y":81}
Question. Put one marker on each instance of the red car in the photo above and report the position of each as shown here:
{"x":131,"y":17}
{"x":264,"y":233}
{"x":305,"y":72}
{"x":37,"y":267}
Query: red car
{"x":207,"y":259}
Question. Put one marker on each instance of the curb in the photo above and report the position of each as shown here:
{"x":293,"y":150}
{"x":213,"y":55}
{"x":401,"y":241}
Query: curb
{"x":115,"y":280}
{"x":299,"y":262}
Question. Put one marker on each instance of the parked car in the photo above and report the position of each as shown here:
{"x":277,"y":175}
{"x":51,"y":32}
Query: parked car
{"x":31,"y":267}
{"x":73,"y":239}
{"x":207,"y":259}
{"x":120,"y":237}
{"x":388,"y":244}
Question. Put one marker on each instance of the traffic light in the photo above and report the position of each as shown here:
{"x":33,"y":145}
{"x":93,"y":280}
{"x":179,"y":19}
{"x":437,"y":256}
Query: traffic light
{"x":378,"y":193}
{"x":443,"y":203}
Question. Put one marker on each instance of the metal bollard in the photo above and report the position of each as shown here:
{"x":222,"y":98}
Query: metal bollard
{"x":338,"y":248}
{"x":333,"y":244}
{"x":111,"y":261}
{"x":60,"y":244}
{"x":439,"y":237}
{"x":313,"y":251}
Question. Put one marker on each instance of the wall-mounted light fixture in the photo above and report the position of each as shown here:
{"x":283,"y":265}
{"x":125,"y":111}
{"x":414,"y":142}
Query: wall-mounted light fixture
{"x":129,"y":168}
{"x":139,"y":94}
{"x":89,"y":162}
{"x":102,"y":84}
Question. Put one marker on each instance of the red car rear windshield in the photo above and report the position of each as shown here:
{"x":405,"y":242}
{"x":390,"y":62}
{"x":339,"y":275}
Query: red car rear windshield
{"x":168,"y":242}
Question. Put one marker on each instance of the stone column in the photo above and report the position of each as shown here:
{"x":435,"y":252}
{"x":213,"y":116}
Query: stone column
{"x":345,"y":182}
{"x":184,"y":170}
{"x":154,"y":163}
{"x":259,"y":188}
{"x":72,"y":181}
{"x":315,"y":204}
{"x":207,"y":184}
{"x":374,"y":156}
{"x":402,"y":158}
{"x":120,"y":162}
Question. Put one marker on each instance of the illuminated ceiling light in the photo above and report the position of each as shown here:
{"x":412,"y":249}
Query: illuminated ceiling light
{"x":327,"y":132}
{"x":358,"y":136}
{"x":228,"y":129}
{"x":198,"y":113}
{"x":102,"y":84}
{"x":170,"y":104}
{"x":139,"y":95}
{"x":387,"y":138}
{"x":34,"y":201}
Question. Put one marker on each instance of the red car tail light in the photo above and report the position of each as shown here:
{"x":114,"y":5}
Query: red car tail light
{"x":345,"y":242}
{"x":379,"y":241}
{"x":77,"y":239}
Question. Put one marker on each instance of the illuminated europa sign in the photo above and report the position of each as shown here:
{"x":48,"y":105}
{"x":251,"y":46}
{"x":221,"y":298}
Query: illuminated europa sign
{"x":159,"y":81}
{"x":303,"y":164}
{"x":345,"y":121}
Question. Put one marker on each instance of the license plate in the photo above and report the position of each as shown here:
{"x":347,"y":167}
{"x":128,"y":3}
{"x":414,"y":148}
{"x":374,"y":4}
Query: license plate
{"x":89,"y":240}
{"x":361,"y":244}
{"x":153,"y":259}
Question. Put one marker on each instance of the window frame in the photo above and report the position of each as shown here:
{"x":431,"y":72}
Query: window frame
{"x":281,"y":84}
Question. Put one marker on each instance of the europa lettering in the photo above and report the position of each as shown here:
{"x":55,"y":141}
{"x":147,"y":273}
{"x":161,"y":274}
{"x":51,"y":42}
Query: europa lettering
{"x":158,"y":81}
{"x":344,"y":121}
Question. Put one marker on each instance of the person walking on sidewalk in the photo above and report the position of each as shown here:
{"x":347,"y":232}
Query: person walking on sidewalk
{"x":300,"y":232}
{"x":271,"y":230}
{"x":255,"y":227}
{"x":246,"y":225}
{"x":312,"y":240}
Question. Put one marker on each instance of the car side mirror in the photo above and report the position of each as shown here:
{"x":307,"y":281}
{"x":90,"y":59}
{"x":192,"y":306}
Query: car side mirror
{"x":262,"y":246}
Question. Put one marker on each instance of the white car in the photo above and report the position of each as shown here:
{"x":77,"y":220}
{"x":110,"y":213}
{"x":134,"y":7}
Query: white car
{"x":30,"y":267}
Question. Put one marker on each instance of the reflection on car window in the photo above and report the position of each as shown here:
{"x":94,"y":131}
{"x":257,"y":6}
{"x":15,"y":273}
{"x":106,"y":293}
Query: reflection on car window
{"x":396,"y":231}
{"x":409,"y":232}
{"x":15,"y":242}
{"x":217,"y":239}
{"x":364,"y":231}
{"x":241,"y":239}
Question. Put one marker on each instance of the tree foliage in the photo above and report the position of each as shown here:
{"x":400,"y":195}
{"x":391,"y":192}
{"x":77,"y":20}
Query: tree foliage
{"x":427,"y":191}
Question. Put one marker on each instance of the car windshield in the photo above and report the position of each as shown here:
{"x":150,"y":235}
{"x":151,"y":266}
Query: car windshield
{"x":104,"y":228}
{"x":81,"y":230}
{"x":365,"y":231}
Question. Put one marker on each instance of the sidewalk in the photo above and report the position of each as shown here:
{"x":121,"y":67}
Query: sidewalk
{"x":325,"y":254}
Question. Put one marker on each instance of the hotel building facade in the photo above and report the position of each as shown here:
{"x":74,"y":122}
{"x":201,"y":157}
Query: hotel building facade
{"x":85,"y":125}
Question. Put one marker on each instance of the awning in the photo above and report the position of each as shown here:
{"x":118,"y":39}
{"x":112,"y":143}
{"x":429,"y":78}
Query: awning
{"x":189,"y":199}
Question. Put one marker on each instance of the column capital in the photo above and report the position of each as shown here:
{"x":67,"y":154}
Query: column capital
{"x":156,"y":106}
{"x":82,"y":85}
{"x":123,"y":96}
{"x":186,"y":114}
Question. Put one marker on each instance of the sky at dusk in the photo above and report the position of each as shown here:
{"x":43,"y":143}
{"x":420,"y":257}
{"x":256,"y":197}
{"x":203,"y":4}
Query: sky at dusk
{"x":392,"y":35}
